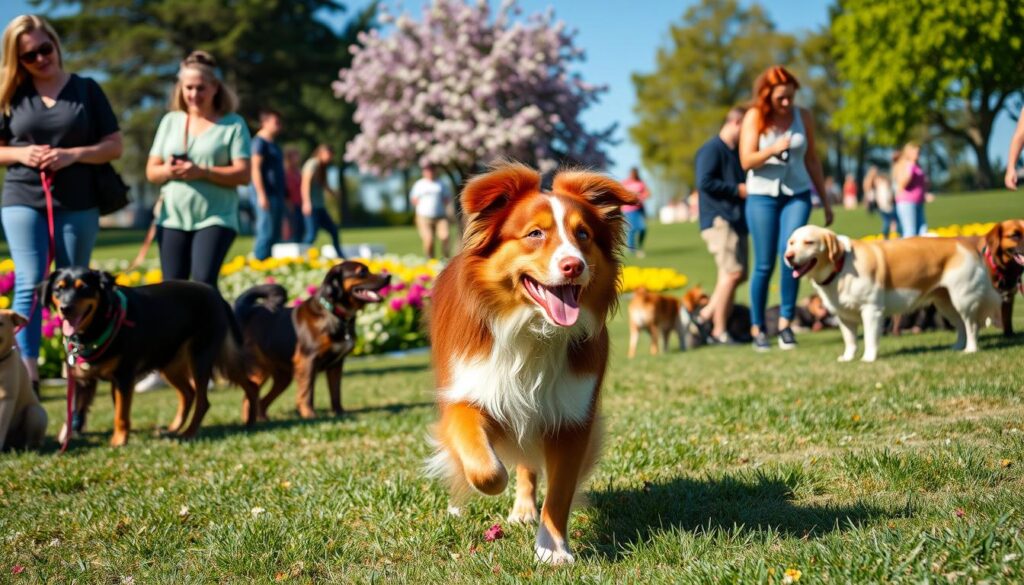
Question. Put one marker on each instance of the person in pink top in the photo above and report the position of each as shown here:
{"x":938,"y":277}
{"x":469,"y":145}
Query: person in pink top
{"x":910,"y":193}
{"x":292,"y":230}
{"x":635,"y":213}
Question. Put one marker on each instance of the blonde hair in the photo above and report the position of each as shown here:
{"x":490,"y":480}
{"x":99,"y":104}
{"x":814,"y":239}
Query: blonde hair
{"x":224,"y":101}
{"x":13,"y":72}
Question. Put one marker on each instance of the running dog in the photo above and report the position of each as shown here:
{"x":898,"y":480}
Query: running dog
{"x":519,"y":340}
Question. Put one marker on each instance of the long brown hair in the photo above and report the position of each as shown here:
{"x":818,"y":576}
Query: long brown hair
{"x":321,"y":169}
{"x":13,"y":73}
{"x":763,"y":86}
{"x":224,"y":101}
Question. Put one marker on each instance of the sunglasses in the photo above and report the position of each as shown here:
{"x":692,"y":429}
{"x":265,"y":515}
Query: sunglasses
{"x":44,"y":50}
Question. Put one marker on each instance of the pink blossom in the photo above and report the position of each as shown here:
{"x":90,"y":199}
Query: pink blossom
{"x":270,"y":280}
{"x":494,"y":533}
{"x":312,"y":289}
{"x":398,"y":286}
{"x":396,"y":303}
{"x":17,"y":570}
{"x":48,"y":330}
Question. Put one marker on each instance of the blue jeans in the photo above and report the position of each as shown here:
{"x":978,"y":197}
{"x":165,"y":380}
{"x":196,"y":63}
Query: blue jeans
{"x":637,"y":229}
{"x":887,"y":219}
{"x":268,"y":226}
{"x":321,"y":220}
{"x":771,"y":221}
{"x":29,"y":240}
{"x":911,"y":218}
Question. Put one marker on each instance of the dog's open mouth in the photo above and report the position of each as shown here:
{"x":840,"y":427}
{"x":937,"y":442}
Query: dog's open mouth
{"x":69,"y":326}
{"x":1018,"y":257}
{"x":560,"y":302}
{"x":800,"y":270}
{"x":368,"y":295}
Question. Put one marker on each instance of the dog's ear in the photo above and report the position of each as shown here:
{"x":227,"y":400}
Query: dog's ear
{"x":604,"y":193}
{"x":495,"y":189}
{"x":994,"y":239}
{"x":107,"y":281}
{"x":44,"y":292}
{"x":18,"y":319}
{"x":832,"y":246}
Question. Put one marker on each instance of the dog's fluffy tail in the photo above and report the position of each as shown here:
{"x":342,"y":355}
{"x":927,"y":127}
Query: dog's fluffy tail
{"x":269,"y":296}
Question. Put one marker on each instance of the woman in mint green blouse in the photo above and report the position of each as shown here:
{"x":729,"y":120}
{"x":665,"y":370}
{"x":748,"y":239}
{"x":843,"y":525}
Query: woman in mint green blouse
{"x":200,"y":155}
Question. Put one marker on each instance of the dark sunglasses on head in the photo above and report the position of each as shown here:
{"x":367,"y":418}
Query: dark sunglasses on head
{"x":44,"y":50}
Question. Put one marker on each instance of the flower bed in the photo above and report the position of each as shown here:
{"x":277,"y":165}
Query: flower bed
{"x":394,"y":324}
{"x":950,"y":231}
{"x":653,"y":279}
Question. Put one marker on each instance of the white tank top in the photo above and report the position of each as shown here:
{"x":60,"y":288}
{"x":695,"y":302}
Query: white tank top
{"x":776,"y":176}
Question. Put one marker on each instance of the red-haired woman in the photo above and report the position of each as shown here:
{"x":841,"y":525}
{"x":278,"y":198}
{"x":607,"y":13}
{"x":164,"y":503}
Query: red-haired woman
{"x":777,"y":151}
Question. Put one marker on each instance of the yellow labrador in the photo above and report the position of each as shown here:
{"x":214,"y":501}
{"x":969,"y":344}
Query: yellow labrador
{"x":867,"y":280}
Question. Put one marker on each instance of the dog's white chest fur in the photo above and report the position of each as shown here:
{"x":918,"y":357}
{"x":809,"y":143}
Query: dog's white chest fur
{"x":525,"y":382}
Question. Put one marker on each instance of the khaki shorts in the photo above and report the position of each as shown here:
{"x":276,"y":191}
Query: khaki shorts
{"x":728,"y":247}
{"x":429,"y":226}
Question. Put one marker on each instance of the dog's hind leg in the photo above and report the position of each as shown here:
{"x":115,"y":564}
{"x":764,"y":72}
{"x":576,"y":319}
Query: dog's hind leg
{"x":281,"y":380}
{"x":524,"y":511}
{"x":947,"y":310}
{"x":871,"y":316}
{"x":334,"y":387}
{"x":178,"y":376}
{"x":123,"y":390}
{"x":201,"y":366}
{"x":652,"y":329}
{"x":634,"y":338}
{"x":305,"y":377}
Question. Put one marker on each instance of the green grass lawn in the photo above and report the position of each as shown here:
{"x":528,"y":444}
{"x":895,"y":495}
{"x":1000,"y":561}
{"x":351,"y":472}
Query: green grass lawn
{"x":720,"y":465}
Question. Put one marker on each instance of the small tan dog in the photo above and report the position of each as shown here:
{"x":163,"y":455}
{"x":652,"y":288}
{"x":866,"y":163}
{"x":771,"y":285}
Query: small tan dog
{"x":22,"y":418}
{"x":659,"y":315}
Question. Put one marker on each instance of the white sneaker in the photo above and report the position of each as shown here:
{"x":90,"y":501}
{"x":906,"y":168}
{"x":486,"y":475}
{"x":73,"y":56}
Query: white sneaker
{"x":152,"y":381}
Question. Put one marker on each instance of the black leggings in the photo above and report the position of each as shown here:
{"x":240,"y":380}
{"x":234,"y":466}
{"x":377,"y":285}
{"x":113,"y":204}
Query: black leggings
{"x":198,"y":254}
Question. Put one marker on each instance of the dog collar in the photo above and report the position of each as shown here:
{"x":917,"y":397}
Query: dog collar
{"x":1002,"y":280}
{"x":87,"y":351}
{"x":336,"y":310}
{"x":838,"y":268}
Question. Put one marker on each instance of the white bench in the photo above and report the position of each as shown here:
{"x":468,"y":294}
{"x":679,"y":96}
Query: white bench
{"x":293,"y":250}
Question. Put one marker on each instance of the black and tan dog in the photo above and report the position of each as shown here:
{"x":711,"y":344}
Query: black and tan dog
{"x":286,"y":343}
{"x":185,"y":330}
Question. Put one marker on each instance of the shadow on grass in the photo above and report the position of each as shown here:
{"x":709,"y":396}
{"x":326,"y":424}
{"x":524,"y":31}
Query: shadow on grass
{"x":324,"y":417}
{"x":382,"y":370}
{"x":987,"y":342}
{"x":626,"y":518}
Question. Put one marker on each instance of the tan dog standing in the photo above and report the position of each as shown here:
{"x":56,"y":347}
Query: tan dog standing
{"x":864,"y":281}
{"x":659,"y":315}
{"x":22,"y":418}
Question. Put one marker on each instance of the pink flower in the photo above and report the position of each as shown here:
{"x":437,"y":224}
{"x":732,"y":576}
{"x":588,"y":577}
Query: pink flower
{"x":270,"y":280}
{"x":17,"y":570}
{"x":296,"y":302}
{"x":397,"y":303}
{"x":494,"y":533}
{"x":423,"y":278}
{"x":311,"y":289}
{"x":48,"y":330}
{"x":398,"y":286}
{"x":960,"y":513}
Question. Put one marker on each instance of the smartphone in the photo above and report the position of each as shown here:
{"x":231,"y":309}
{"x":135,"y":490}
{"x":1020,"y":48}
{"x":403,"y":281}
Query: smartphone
{"x":179,"y":158}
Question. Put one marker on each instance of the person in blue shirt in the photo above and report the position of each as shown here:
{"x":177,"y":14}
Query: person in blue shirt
{"x":721,"y":188}
{"x":268,"y":183}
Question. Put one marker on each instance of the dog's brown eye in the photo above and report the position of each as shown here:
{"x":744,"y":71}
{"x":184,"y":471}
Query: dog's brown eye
{"x":582,"y":235}
{"x":808,"y":242}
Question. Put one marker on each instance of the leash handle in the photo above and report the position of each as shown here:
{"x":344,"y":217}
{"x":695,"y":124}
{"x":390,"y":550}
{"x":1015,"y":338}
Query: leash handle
{"x":46,"y":179}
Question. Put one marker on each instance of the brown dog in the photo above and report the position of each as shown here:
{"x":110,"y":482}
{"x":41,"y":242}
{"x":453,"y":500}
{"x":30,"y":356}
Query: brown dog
{"x":1003,"y":250}
{"x":287,"y":343}
{"x":22,"y":418}
{"x":659,"y":315}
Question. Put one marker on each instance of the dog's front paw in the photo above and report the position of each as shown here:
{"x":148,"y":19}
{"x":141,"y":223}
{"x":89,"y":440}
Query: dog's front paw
{"x":523,"y":512}
{"x":307,"y":413}
{"x":551,"y":550}
{"x":554,"y":557}
{"x":868,"y":357}
{"x":846,"y":357}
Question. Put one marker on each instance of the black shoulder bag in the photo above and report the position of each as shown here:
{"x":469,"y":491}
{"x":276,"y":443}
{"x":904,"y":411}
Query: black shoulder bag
{"x":111,"y":190}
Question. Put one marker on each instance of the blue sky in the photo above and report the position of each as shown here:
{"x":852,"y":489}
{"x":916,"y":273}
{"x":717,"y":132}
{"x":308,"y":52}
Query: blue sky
{"x":620,"y":38}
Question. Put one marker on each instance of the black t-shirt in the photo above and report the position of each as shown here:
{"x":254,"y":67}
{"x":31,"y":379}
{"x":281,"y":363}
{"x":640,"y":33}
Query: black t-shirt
{"x":81,"y":116}
{"x":272,"y":167}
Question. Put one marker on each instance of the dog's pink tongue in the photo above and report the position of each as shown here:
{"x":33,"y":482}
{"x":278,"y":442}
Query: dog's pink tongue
{"x":67,"y":328}
{"x":796,"y":273}
{"x":561,"y":304}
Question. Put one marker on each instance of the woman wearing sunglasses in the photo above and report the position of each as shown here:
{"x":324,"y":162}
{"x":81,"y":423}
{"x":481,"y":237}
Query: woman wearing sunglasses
{"x":59,"y":124}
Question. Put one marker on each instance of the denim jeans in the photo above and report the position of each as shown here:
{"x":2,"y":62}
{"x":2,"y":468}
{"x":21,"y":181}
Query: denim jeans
{"x":637,"y":229}
{"x":321,"y":220}
{"x":771,"y":220}
{"x":268,"y":226}
{"x":28,"y":237}
{"x":887,"y":218}
{"x":911,"y":219}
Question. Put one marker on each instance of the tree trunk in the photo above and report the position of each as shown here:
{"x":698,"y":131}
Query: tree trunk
{"x":985,"y":176}
{"x":862,"y":155}
{"x":344,"y":209}
{"x":407,"y":186}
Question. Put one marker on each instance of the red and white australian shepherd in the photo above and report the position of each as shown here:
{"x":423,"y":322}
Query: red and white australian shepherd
{"x":519,"y":340}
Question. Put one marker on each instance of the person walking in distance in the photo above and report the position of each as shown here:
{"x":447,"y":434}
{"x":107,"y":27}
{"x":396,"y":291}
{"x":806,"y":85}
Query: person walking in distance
{"x":314,"y":209}
{"x":635,"y":214}
{"x":268,"y":182}
{"x":722,"y":192}
{"x":430,"y":197}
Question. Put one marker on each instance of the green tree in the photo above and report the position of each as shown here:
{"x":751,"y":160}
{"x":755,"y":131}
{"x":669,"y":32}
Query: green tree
{"x":281,"y":54}
{"x":952,"y":65}
{"x":709,"y":66}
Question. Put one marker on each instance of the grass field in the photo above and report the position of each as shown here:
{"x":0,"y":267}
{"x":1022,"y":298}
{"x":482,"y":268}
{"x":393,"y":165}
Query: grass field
{"x":720,"y":465}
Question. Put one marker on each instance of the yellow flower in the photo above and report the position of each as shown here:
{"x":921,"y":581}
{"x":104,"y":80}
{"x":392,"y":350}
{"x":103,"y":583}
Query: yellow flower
{"x":5,"y":303}
{"x":1005,"y":463}
{"x":6,"y":265}
{"x":791,"y":575}
{"x":313,"y":253}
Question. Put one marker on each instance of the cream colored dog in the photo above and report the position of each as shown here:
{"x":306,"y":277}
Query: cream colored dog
{"x":864,"y":281}
{"x":22,"y":418}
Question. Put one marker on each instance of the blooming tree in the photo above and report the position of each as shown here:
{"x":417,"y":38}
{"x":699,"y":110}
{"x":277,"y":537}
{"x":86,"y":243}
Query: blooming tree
{"x":459,"y":89}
